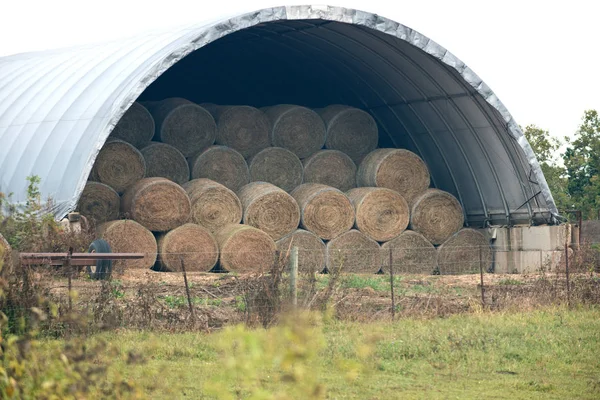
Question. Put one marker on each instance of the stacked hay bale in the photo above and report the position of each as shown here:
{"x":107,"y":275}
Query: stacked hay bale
{"x":358,"y":206}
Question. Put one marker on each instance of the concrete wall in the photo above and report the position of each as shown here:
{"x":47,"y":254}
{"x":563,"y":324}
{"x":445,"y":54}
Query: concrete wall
{"x":590,"y":232}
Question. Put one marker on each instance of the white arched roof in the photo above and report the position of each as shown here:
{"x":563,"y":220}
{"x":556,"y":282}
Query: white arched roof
{"x":58,"y":107}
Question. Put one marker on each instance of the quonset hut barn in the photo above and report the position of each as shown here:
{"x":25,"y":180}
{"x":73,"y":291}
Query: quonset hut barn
{"x":58,"y":107}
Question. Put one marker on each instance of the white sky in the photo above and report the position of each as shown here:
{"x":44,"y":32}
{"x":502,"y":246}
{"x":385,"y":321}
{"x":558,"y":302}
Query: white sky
{"x":540,"y":57}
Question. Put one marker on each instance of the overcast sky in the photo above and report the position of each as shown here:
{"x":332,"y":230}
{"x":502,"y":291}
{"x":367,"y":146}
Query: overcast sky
{"x":540,"y":57}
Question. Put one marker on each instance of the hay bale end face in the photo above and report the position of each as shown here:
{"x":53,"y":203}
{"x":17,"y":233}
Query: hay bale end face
{"x":412,"y":253}
{"x":331,"y":168}
{"x":99,"y":203}
{"x":311,"y":250}
{"x":118,"y":165}
{"x":278,"y":166}
{"x":397,"y":169}
{"x":437,"y":215}
{"x":269,"y":209}
{"x":183,"y":124}
{"x":353,"y":251}
{"x":350,"y":130}
{"x":157,"y":203}
{"x":381,"y":214}
{"x":190,"y":244}
{"x":136,"y":126}
{"x":126,"y":236}
{"x":324,"y":210}
{"x":244,"y":248}
{"x":465,"y":252}
{"x":213,"y":205}
{"x":296,"y":128}
{"x":243,"y":128}
{"x":223,"y":165}
{"x":165,"y":161}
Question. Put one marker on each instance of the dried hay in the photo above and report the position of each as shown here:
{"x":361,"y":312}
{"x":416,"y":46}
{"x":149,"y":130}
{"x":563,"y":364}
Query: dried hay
{"x":5,"y":256}
{"x":245,"y":249}
{"x":213,"y":205}
{"x":269,"y":209}
{"x":412,"y":253}
{"x":331,"y":168}
{"x":157,"y":203}
{"x":190,"y":244}
{"x":437,"y":215}
{"x":118,"y":165}
{"x":296,"y":128}
{"x":353,"y":251}
{"x":165,"y":161}
{"x":397,"y":169}
{"x":243,"y":128}
{"x":278,"y":166}
{"x":324,"y":210}
{"x":465,"y":252}
{"x":136,"y":126}
{"x":311,"y":250}
{"x":126,"y":236}
{"x":99,"y":203}
{"x":381,"y":214}
{"x":223,"y":165}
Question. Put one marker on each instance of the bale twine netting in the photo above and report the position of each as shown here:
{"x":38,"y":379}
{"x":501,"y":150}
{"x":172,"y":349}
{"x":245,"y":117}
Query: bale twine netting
{"x":296,"y":128}
{"x":353,"y":251}
{"x":118,"y":165}
{"x":269,"y":209}
{"x":324,"y":210}
{"x":465,"y":252}
{"x":221,"y":164}
{"x":5,"y":256}
{"x":136,"y":126}
{"x":165,"y":161}
{"x":243,"y":128}
{"x":397,"y":169}
{"x":381,"y":214}
{"x":99,"y":203}
{"x":278,"y":166}
{"x":331,"y":168}
{"x":127,"y":236}
{"x":191,"y":244}
{"x":244,"y":248}
{"x":157,"y":203}
{"x":213,"y":205}
{"x":411,"y":252}
{"x":437,"y":215}
{"x":183,"y":124}
{"x":311,"y":251}
{"x":350,"y":130}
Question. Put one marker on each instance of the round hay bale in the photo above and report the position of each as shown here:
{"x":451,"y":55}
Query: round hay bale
{"x":136,"y":126}
{"x":296,"y":128}
{"x":221,"y":164}
{"x":244,"y":248}
{"x":381,"y":214}
{"x":99,"y":203}
{"x":184,"y":125}
{"x":324,"y":210}
{"x":331,"y":168}
{"x":397,"y":169}
{"x":190,"y":243}
{"x":437,"y":215}
{"x":213,"y":205}
{"x":269,"y":209}
{"x":127,"y":236}
{"x":412,"y":253}
{"x":353,"y":251}
{"x":278,"y":166}
{"x":5,"y":256}
{"x":464,"y":253}
{"x":165,"y":161}
{"x":157,"y":203}
{"x":350,"y":130}
{"x":243,"y":128}
{"x":311,"y":250}
{"x":118,"y":165}
{"x":212,"y":108}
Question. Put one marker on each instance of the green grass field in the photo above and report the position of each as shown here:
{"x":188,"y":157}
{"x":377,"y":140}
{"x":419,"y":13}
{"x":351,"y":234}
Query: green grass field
{"x":545,"y":354}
